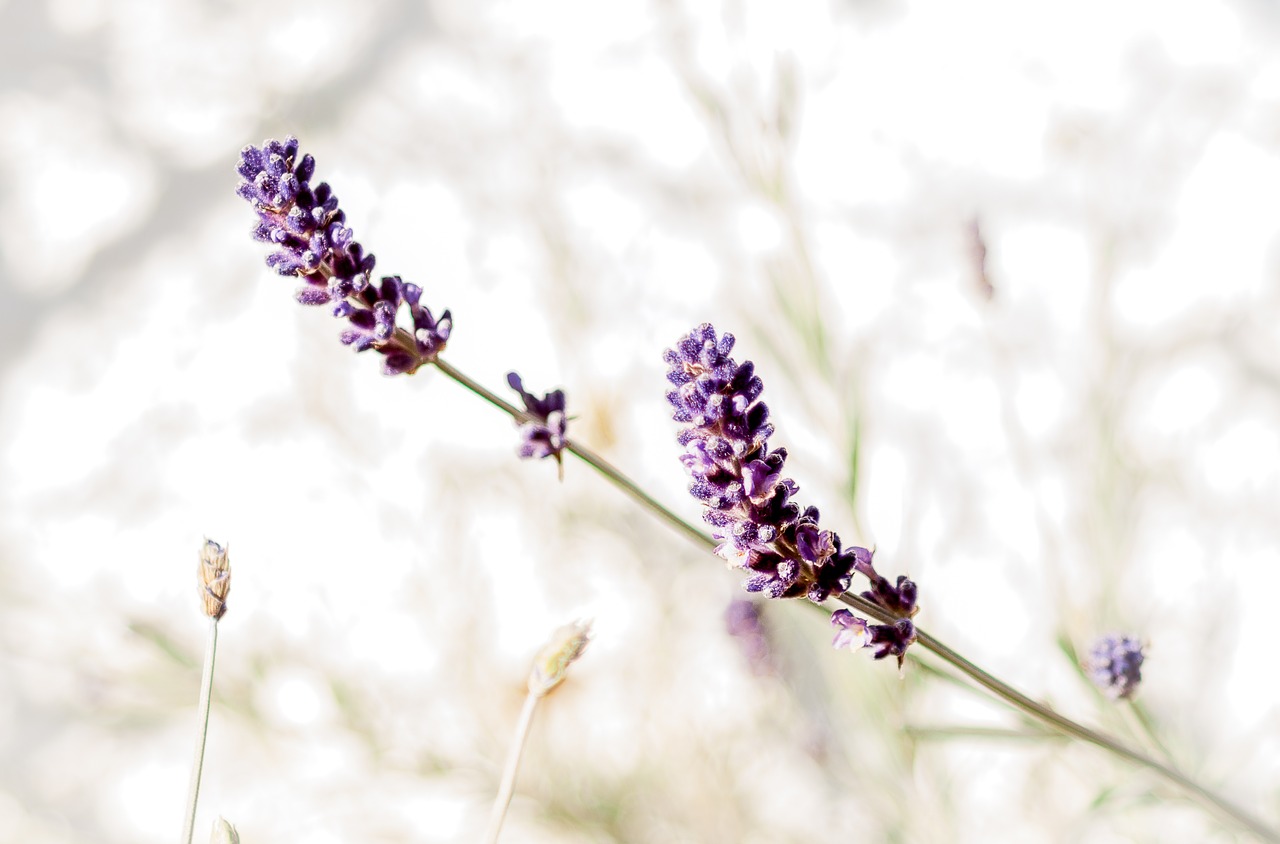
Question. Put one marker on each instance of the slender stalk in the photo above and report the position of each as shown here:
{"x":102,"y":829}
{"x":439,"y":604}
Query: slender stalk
{"x":1148,"y":727}
{"x":1000,"y":689}
{"x":587,"y":456}
{"x":977,"y":732}
{"x":206,"y":694}
{"x":508,"y":787}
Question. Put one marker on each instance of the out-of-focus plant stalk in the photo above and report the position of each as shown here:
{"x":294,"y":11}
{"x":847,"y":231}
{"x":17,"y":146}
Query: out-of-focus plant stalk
{"x":214,"y":574}
{"x":1003,"y":691}
{"x":550,"y":667}
{"x":509,"y":770}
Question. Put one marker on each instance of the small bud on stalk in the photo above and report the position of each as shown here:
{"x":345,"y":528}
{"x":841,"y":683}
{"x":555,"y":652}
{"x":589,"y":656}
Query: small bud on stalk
{"x":552,"y":662}
{"x":215,"y":579}
{"x":223,"y":833}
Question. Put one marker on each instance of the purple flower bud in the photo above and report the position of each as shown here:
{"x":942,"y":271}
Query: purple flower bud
{"x":893,"y":639}
{"x":1115,"y":665}
{"x":899,"y":598}
{"x":543,"y":435}
{"x":313,"y":242}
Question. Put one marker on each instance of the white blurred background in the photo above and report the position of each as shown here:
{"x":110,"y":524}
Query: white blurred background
{"x":1009,"y":272}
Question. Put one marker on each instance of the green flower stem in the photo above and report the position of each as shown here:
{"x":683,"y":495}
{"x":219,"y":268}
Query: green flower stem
{"x":1011,"y":696}
{"x":587,"y":456}
{"x":508,"y":786}
{"x":963,"y":732}
{"x":1148,"y":728}
{"x":206,"y":695}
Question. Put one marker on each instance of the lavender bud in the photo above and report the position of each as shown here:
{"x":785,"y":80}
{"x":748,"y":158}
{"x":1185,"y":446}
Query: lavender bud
{"x":1115,"y":665}
{"x":899,"y":598}
{"x":543,"y":435}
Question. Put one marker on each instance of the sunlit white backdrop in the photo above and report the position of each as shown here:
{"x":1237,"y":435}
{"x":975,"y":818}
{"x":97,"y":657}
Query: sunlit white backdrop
{"x":1009,"y":272}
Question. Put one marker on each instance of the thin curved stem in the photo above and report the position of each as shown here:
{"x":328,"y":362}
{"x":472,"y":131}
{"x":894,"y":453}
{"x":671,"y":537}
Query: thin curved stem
{"x":507,"y":788}
{"x":206,"y":694}
{"x":1011,"y":696}
{"x":1148,"y":728}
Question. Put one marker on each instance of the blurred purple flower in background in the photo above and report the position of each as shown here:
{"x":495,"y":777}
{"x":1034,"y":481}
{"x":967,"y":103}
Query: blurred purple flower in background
{"x":744,"y":619}
{"x":315,"y":245}
{"x":1115,"y":665}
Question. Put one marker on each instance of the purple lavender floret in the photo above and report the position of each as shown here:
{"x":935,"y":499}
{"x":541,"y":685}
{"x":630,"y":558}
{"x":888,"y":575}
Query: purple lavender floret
{"x":887,"y":639}
{"x":1115,"y":665}
{"x":544,"y":432}
{"x":314,"y":244}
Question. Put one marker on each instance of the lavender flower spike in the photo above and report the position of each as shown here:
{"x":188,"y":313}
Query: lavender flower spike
{"x":1115,"y":665}
{"x":739,"y":479}
{"x":314,"y":244}
{"x":544,"y":432}
{"x":748,"y":502}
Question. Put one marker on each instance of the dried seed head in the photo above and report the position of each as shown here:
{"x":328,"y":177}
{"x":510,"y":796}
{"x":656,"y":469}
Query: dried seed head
{"x":223,"y":833}
{"x":553,"y":661}
{"x":214,"y":575}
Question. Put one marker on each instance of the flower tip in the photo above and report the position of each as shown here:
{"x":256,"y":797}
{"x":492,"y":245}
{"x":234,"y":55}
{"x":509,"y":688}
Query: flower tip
{"x":223,"y":833}
{"x":561,"y":650}
{"x":214,"y":576}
